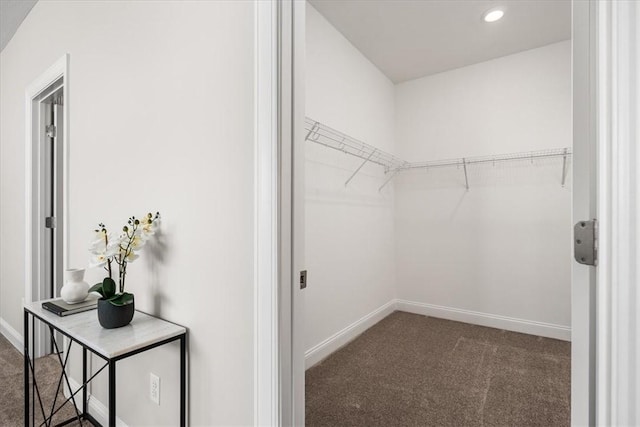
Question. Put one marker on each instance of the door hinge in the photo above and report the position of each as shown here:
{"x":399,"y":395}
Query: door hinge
{"x":50,"y":222}
{"x":585,"y":242}
{"x":303,"y":279}
{"x":50,"y":131}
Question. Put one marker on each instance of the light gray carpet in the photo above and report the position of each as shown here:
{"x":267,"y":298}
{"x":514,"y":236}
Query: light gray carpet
{"x":12,"y":393}
{"x":412,"y":370}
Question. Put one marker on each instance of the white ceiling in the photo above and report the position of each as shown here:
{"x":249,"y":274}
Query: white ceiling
{"x":407,"y":39}
{"x":12,"y":13}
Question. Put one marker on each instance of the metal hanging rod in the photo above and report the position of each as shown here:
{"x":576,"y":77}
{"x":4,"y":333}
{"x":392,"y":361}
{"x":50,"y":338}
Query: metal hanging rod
{"x":329,"y":137}
{"x":565,"y":153}
{"x":528,"y":155}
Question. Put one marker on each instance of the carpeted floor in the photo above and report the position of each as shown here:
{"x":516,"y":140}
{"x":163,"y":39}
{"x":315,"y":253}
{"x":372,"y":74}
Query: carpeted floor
{"x":11,"y":387}
{"x":412,"y":370}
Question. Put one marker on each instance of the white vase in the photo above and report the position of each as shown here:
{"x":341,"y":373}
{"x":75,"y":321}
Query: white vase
{"x":75,"y":289}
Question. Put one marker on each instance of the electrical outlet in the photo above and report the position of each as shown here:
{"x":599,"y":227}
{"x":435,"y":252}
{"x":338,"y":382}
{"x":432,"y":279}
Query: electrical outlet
{"x":154,"y":388}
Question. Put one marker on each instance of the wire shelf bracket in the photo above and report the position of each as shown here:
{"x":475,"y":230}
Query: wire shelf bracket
{"x":564,"y":165}
{"x":359,"y":167}
{"x":331,"y":138}
{"x":392,"y":174}
{"x":466,"y":176}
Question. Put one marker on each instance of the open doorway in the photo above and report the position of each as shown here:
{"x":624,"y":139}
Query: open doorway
{"x":52,"y":111}
{"x":45,"y":176}
{"x":443,"y":195}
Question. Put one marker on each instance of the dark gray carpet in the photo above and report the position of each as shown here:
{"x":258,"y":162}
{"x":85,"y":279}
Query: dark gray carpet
{"x":11,"y":387}
{"x":412,"y":370}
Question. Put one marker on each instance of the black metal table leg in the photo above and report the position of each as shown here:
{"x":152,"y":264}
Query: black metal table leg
{"x":26,"y":368}
{"x":33,"y":367}
{"x":183,"y":381}
{"x":84,"y":380}
{"x":112,"y":393}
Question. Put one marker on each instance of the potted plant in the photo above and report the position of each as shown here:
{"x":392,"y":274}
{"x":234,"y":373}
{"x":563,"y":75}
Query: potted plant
{"x":116,"y":307}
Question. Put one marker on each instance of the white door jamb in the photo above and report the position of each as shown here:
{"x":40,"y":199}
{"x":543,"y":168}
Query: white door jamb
{"x":618,"y":188}
{"x":278,"y":249}
{"x":266,"y":243}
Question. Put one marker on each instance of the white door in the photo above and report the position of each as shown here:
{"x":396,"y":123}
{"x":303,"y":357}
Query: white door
{"x":52,"y":179}
{"x":583,"y":287}
{"x":51,"y":140}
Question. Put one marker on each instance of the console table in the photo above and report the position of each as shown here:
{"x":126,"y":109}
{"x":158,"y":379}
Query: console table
{"x":111,"y":345}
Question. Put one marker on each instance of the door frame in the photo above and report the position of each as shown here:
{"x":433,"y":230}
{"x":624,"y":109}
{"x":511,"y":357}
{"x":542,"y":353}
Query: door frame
{"x":616,"y":49}
{"x":34,"y":287}
{"x":278,"y":213}
{"x":604,"y":383}
{"x":266,"y":208}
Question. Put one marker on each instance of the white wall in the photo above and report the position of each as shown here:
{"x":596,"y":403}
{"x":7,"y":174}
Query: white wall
{"x":161,"y":99}
{"x":349,"y":230}
{"x":501,"y":249}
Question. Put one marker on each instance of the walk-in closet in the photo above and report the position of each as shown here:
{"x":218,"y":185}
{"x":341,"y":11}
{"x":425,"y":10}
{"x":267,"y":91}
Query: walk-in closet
{"x":437,"y":213}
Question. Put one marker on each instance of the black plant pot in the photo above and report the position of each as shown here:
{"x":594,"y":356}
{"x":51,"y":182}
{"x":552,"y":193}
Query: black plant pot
{"x":114,"y":316}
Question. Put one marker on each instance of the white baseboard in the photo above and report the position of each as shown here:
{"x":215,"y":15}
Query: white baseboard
{"x":339,"y":339}
{"x":14,"y":337}
{"x":485,"y":319}
{"x":96,"y":408}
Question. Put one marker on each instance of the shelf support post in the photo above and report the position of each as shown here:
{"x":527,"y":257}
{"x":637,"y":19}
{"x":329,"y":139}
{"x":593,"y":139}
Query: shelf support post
{"x":359,"y":167}
{"x":564,"y":167}
{"x":466,"y":177}
{"x":388,"y":180}
{"x":313,"y":130}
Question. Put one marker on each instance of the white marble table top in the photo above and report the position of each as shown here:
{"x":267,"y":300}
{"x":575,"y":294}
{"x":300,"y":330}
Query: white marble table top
{"x":84,"y":327}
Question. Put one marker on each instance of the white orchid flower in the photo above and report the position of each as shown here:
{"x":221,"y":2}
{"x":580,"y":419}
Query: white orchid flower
{"x":148,"y":226}
{"x":97,"y":246}
{"x":101,"y":255}
{"x":137,"y":242}
{"x":98,"y":259}
{"x":112,"y":249}
{"x":132,"y":256}
{"x":122,"y":249}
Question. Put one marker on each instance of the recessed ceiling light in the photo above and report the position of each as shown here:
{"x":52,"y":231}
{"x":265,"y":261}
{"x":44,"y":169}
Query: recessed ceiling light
{"x":493,"y":15}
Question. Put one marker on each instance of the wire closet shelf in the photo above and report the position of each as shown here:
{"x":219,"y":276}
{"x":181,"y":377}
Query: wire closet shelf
{"x":329,"y":137}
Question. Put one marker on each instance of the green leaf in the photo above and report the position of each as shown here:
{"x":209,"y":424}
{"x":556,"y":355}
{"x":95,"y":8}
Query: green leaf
{"x":108,"y":287}
{"x":97,"y":288}
{"x":121,"y":299}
